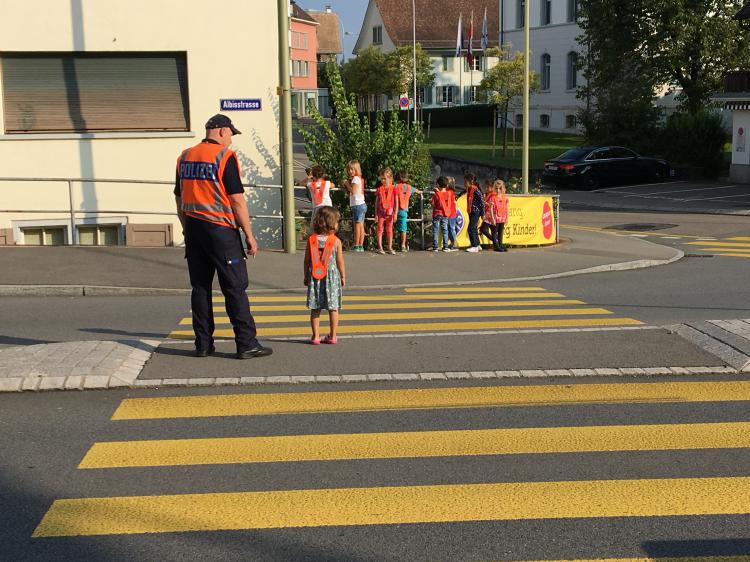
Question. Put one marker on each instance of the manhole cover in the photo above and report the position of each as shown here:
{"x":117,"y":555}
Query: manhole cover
{"x":641,"y":226}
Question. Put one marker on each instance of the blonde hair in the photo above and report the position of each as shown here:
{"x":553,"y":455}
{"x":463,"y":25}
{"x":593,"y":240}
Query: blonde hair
{"x":356,"y":166}
{"x":498,"y":186}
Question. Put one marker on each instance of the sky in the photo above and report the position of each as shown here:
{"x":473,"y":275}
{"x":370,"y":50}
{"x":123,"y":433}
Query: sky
{"x":351,"y":12}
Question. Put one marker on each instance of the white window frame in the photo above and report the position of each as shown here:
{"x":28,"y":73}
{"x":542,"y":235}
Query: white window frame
{"x":545,"y":18}
{"x":477,"y":64}
{"x":20,"y":225}
{"x":571,"y":78}
{"x":545,"y":74}
{"x":446,"y":95}
{"x":377,"y":35}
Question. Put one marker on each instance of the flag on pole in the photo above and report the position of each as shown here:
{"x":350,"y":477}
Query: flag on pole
{"x":485,"y":41}
{"x":459,"y":36}
{"x":470,"y":51}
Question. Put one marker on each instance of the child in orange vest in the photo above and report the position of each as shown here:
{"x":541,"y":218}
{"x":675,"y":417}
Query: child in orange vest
{"x":404,"y":191}
{"x":319,"y":189}
{"x":440,"y":208}
{"x":385,"y":209}
{"x":325,"y":273}
{"x":452,"y":214}
{"x":495,"y":215}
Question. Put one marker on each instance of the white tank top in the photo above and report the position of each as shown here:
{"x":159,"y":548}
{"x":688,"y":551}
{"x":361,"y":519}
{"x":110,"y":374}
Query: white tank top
{"x":357,"y":196}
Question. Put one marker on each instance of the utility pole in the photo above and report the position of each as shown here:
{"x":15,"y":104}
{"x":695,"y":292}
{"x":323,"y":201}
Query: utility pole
{"x":526,"y":87}
{"x":289,"y":232}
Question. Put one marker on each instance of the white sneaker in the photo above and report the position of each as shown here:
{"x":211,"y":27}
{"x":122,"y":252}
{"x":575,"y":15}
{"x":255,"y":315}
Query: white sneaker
{"x":451,"y":249}
{"x":473,"y":250}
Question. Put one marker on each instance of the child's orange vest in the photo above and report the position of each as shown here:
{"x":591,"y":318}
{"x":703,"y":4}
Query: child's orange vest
{"x":403,"y":190}
{"x":385,"y":197}
{"x":319,"y":260}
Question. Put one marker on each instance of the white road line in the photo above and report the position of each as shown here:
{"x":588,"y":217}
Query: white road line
{"x":639,"y":235}
{"x":683,"y":191}
{"x":637,"y":185}
{"x":671,"y":237}
{"x":712,"y":198}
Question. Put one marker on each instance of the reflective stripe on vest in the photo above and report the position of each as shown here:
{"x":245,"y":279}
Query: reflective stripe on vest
{"x":202,"y":189}
{"x":319,"y":260}
{"x":403,"y":196}
{"x":385,"y":199}
{"x":318,"y":190}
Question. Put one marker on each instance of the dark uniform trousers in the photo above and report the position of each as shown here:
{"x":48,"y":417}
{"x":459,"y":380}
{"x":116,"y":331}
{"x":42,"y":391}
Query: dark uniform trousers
{"x":210,"y":249}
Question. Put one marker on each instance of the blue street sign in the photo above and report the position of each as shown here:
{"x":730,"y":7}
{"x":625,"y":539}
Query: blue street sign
{"x":241,"y":105}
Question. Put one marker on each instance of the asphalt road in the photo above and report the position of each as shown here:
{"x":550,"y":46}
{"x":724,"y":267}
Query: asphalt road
{"x":579,"y":516}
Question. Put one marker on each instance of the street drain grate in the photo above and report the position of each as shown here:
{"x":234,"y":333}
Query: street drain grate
{"x":641,"y":226}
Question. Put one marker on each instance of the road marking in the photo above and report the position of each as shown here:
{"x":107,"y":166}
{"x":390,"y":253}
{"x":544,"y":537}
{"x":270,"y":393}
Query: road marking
{"x":740,"y":238}
{"x":430,"y":326}
{"x":731,"y":255}
{"x":605,"y":189}
{"x":444,"y":296}
{"x":420,"y":444}
{"x":740,"y":558}
{"x":666,"y":497}
{"x":736,"y":245}
{"x":289,"y":318}
{"x":420,"y":399}
{"x":418,"y":305}
{"x":649,"y":194}
{"x":471,"y":289}
{"x":713,"y":198}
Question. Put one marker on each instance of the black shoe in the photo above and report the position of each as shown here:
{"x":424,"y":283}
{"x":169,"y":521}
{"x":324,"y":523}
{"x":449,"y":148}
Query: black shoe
{"x":257,"y":351}
{"x":203,"y":352}
{"x":503,"y":249}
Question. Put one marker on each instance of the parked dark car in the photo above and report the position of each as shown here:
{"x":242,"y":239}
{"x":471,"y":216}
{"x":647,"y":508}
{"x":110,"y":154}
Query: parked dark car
{"x":589,"y":167}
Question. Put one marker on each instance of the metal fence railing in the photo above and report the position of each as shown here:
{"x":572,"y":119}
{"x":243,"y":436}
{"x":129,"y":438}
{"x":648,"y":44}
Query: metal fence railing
{"x":417,"y":215}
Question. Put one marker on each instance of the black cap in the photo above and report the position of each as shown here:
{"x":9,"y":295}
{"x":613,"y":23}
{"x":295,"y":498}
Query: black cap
{"x":218,"y":121}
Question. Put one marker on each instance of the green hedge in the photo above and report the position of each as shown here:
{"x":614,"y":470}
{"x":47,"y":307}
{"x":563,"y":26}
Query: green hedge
{"x":448,"y":117}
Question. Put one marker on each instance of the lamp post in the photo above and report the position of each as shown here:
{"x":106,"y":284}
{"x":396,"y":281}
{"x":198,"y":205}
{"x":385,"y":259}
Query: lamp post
{"x":526,"y":86}
{"x":414,"y":53}
{"x":287,"y":155}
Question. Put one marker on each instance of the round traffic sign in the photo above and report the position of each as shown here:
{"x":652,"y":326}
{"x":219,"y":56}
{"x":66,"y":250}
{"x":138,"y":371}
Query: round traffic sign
{"x":404,"y":102}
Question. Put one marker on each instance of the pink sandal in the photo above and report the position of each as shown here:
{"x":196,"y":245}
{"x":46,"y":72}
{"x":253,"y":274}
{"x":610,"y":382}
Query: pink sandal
{"x":314,"y":342}
{"x":329,"y":340}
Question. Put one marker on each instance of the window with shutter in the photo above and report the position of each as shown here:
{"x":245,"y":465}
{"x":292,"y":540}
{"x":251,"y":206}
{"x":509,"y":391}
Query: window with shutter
{"x":95,"y":92}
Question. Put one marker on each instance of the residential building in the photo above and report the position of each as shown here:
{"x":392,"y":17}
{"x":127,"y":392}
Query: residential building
{"x":97,"y":104}
{"x":554,"y":31}
{"x":304,"y":60}
{"x":330,"y":46}
{"x":736,"y":98}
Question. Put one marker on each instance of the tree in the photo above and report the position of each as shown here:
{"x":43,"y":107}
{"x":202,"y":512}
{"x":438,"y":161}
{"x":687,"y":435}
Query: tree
{"x":693,"y":44}
{"x":373,"y":73}
{"x":503,"y":84}
{"x":621,"y":81}
{"x":400,"y":70}
{"x":363,"y":74}
{"x":391,"y":143}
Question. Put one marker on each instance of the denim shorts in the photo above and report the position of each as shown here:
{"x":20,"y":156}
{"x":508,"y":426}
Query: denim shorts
{"x":401,"y":221}
{"x":358,"y":212}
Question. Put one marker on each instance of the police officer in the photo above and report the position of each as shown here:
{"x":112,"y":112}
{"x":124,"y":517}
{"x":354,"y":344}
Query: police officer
{"x":212,"y":209}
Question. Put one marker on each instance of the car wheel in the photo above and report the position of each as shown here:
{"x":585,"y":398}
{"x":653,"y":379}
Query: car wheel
{"x":660,"y":173}
{"x":589,"y":181}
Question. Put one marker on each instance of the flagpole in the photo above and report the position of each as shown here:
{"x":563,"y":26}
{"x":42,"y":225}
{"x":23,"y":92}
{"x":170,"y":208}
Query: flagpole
{"x":414,"y":54}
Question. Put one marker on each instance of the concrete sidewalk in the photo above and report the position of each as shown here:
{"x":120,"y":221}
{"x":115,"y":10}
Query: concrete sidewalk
{"x":98,"y":271}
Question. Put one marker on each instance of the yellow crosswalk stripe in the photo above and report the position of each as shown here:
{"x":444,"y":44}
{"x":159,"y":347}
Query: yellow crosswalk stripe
{"x":381,"y":298}
{"x":740,"y":558}
{"x":420,"y":305}
{"x":283,"y":318}
{"x":466,"y":289}
{"x":740,"y":251}
{"x":420,"y":444}
{"x":430,"y":327}
{"x":720,"y":244}
{"x":739,"y":239}
{"x":428,"y":398}
{"x":396,"y":505}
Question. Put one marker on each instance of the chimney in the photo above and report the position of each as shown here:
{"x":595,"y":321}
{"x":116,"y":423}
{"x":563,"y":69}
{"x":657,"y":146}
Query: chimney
{"x":328,"y":9}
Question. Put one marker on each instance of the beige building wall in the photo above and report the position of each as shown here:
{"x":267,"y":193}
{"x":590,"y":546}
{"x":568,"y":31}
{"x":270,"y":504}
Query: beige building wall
{"x":232,"y":52}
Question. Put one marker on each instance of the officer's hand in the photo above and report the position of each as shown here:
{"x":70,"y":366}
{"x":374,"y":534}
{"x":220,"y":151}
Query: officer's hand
{"x":252,"y":245}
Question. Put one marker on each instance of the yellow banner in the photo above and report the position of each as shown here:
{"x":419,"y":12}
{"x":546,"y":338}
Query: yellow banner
{"x":531,"y":222}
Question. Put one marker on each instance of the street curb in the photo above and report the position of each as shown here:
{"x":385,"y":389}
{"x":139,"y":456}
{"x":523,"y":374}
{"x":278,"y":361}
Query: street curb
{"x":117,"y":382}
{"x":107,"y":291}
{"x":625,"y":208}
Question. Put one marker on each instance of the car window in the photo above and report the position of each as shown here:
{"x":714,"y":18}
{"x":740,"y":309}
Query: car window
{"x":620,"y":152}
{"x":573,"y":154}
{"x":601,"y":154}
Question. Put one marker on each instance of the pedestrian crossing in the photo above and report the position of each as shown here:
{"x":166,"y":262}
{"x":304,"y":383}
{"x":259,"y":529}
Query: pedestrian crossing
{"x":423,"y":310}
{"x":684,"y":496}
{"x":736,"y":247}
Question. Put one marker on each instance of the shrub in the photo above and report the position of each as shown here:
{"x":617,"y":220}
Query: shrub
{"x":695,"y":139}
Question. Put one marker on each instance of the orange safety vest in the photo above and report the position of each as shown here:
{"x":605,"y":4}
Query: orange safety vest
{"x":442,"y":202}
{"x":385,"y":199}
{"x":404,"y":194}
{"x":470,"y":197}
{"x":318,"y":190}
{"x":450,"y":209}
{"x":319,"y":260}
{"x":202,"y":190}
